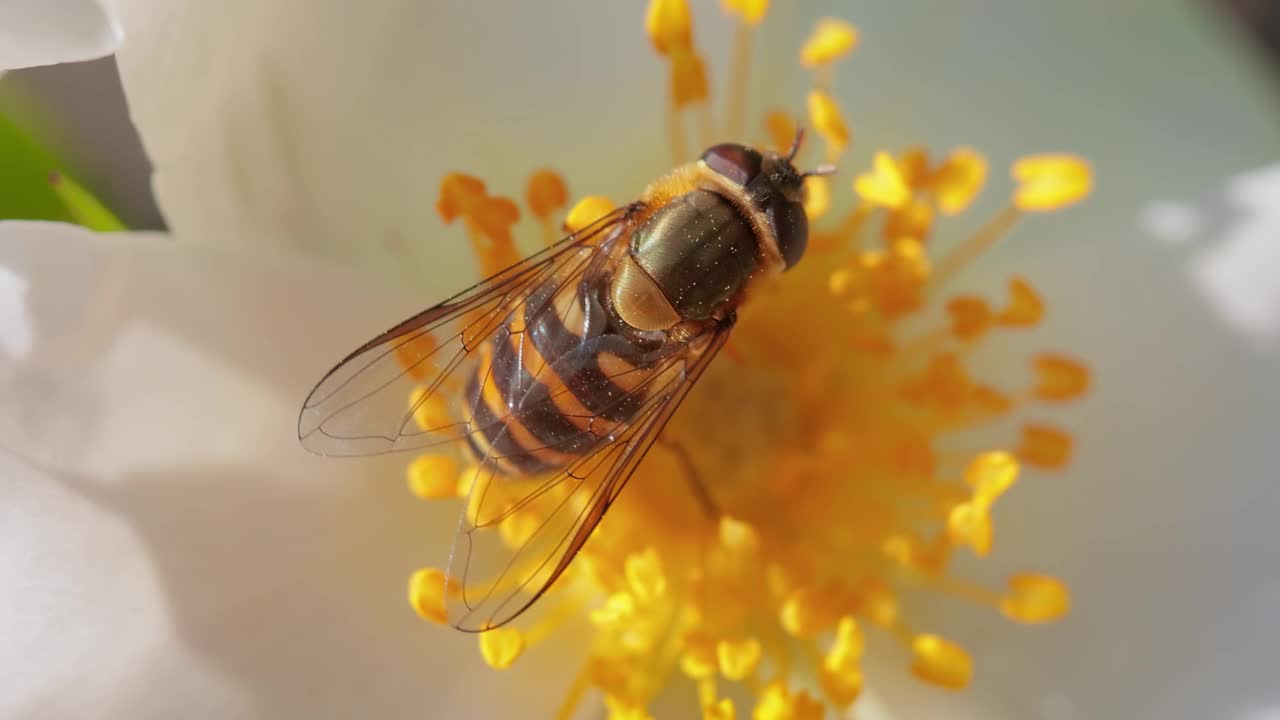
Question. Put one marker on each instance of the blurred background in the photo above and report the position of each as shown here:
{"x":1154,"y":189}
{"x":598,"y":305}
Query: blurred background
{"x":77,"y":113}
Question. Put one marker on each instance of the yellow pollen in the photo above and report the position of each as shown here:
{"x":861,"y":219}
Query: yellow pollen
{"x":738,"y":660}
{"x":877,"y":603}
{"x":588,"y":210}
{"x":459,"y":194}
{"x":700,"y":659}
{"x":969,"y":524}
{"x":884,"y":185}
{"x":738,"y":536}
{"x":781,"y":128}
{"x":1035,"y":598}
{"x":990,"y":475}
{"x":959,"y":180}
{"x":1060,"y":378}
{"x":841,"y":672}
{"x":749,"y":11}
{"x":941,"y":662}
{"x":777,"y":703}
{"x":828,"y":121}
{"x":501,"y":647}
{"x":970,"y":317}
{"x":817,"y":196}
{"x":427,"y":594}
{"x":434,"y":477}
{"x":644,"y":575}
{"x":1051,"y":182}
{"x":669,"y":25}
{"x":1044,"y":447}
{"x":688,"y":78}
{"x":722,"y":709}
{"x":830,"y":40}
{"x":913,"y":219}
{"x":488,"y":220}
{"x":1025,"y":307}
{"x":546,"y":194}
{"x":810,"y":610}
{"x":431,"y":413}
{"x":619,"y":709}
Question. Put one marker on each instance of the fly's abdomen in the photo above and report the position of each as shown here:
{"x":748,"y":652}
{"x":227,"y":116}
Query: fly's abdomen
{"x":552,"y":384}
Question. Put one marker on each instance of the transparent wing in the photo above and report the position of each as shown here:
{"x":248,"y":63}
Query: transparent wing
{"x":517,"y":536}
{"x":378,"y":398}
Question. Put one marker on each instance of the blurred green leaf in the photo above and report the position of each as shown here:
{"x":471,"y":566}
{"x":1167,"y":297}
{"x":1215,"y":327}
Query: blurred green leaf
{"x":28,"y":190}
{"x":83,"y":206}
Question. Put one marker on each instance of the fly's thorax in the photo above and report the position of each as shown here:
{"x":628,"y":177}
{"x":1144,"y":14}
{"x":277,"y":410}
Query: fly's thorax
{"x":698,"y":251}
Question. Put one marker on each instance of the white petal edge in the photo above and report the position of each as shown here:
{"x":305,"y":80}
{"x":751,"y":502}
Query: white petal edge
{"x":166,"y":547}
{"x":46,"y":32}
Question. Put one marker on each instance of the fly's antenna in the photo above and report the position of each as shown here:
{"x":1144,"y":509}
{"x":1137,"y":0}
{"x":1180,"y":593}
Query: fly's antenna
{"x":820,"y":171}
{"x":795,"y":145}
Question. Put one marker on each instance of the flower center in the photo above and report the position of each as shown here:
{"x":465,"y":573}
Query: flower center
{"x":817,"y":470}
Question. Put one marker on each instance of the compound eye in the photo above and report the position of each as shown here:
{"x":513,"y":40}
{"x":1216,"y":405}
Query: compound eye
{"x":791,"y":227}
{"x":738,"y":163}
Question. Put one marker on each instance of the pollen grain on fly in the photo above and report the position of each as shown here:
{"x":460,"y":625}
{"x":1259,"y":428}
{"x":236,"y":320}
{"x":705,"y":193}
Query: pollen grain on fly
{"x":832,"y":485}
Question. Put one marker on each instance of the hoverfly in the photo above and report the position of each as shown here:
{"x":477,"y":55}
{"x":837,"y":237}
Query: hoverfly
{"x":560,"y":371}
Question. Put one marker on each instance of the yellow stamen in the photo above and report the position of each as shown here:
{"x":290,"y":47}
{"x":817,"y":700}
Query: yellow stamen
{"x":1035,"y":598}
{"x":669,"y":25}
{"x":688,"y":79}
{"x":777,"y":703}
{"x":501,"y":647}
{"x":1060,"y":378}
{"x":546,"y":193}
{"x":1025,"y":307}
{"x":817,"y":196}
{"x":429,"y":412}
{"x":828,"y":121}
{"x":913,"y":219}
{"x":459,"y":193}
{"x":884,"y":185}
{"x":1044,"y":446}
{"x":969,"y":525}
{"x":1051,"y":182}
{"x":959,"y":180}
{"x":781,"y":128}
{"x":577,"y":690}
{"x":699,"y":659}
{"x":588,"y":210}
{"x":832,"y":39}
{"x":977,"y":244}
{"x":941,"y":662}
{"x":644,"y":575}
{"x":991,"y":474}
{"x":738,"y":660}
{"x":721,"y":709}
{"x":619,"y":709}
{"x":434,"y":477}
{"x":970,"y":317}
{"x":749,"y":13}
{"x":810,"y":610}
{"x":427,"y":594}
{"x":738,"y":536}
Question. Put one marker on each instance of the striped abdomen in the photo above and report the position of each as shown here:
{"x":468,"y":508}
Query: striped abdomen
{"x":552,"y":383}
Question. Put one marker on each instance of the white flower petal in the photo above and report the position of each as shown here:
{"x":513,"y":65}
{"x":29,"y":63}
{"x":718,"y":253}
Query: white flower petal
{"x":328,"y":127}
{"x":44,"y":32}
{"x":167,"y":548}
